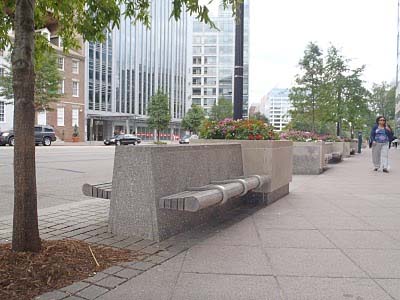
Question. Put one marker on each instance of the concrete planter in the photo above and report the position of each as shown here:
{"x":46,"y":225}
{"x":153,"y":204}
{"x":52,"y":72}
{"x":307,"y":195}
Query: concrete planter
{"x":353,"y":146}
{"x":263,"y":157}
{"x":342,"y":148}
{"x":311,"y":157}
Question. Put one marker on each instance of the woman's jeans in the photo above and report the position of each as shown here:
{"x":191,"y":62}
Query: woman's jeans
{"x":380,"y":155}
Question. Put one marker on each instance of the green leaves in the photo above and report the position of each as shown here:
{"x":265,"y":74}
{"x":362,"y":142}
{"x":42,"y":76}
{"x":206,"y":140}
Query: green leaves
{"x":159,"y":113}
{"x":193,"y":118}
{"x":222,"y":110}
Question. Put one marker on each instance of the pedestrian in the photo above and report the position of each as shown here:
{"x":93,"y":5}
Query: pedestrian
{"x":380,"y":138}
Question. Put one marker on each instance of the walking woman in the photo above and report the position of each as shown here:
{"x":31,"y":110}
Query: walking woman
{"x":381,"y":136}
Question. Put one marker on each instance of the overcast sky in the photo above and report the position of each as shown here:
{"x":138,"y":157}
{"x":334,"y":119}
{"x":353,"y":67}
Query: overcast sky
{"x":365,"y":31}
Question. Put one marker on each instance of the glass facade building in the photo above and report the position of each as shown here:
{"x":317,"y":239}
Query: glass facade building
{"x":213,"y":58}
{"x":277,"y":108}
{"x":130,"y":66}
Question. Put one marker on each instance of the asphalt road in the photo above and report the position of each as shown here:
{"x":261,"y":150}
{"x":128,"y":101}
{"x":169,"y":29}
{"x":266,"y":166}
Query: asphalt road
{"x":60,"y":173}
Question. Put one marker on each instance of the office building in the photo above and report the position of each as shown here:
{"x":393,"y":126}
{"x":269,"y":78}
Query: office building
{"x":277,"y":107}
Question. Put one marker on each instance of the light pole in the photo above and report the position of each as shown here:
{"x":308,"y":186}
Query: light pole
{"x":238,"y":80}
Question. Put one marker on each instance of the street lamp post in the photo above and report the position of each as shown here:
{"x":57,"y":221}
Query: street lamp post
{"x":238,"y":80}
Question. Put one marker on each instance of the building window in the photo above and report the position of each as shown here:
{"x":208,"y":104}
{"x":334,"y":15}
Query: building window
{"x":75,"y":117}
{"x":61,"y":87}
{"x":197,"y":40}
{"x":196,"y":81}
{"x":210,"y":71}
{"x":196,"y":101}
{"x":210,"y":81}
{"x":42,"y":118}
{"x":209,"y":101}
{"x":196,"y":91}
{"x":60,"y":63}
{"x":60,"y":116}
{"x":2,"y":113}
{"x":75,"y":66}
{"x":197,"y":70}
{"x":211,"y":39}
{"x":197,"y":50}
{"x":197,"y":60}
{"x":210,"y":91}
{"x":75,"y":88}
{"x":210,"y":60}
{"x":210,"y":50}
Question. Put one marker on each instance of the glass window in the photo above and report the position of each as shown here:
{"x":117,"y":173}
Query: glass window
{"x":210,"y":60}
{"x":2,"y":113}
{"x":210,"y":71}
{"x":196,"y":101}
{"x":197,"y":39}
{"x":210,"y":39}
{"x":42,"y":118}
{"x":226,"y":60}
{"x":209,"y":101}
{"x":60,"y":116}
{"x":196,"y":49}
{"x":226,"y":50}
{"x":196,"y":91}
{"x":75,"y":66}
{"x":75,"y":117}
{"x":60,"y":63}
{"x":75,"y":88}
{"x":210,"y":50}
{"x":210,"y":91}
{"x":197,"y":70}
{"x":210,"y":80}
{"x":196,"y":81}
{"x":197,"y":60}
{"x":61,"y":87}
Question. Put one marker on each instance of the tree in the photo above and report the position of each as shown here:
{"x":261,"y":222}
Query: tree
{"x":47,"y":81}
{"x":259,"y":116}
{"x":158,"y":111}
{"x":222,"y":110}
{"x":193,"y":118}
{"x":306,"y":95}
{"x":383,"y":100}
{"x":89,"y":18}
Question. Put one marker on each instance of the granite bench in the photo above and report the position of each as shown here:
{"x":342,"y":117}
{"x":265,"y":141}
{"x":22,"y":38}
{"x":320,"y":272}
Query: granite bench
{"x":159,"y":191}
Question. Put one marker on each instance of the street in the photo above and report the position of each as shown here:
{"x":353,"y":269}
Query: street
{"x":60,"y":173}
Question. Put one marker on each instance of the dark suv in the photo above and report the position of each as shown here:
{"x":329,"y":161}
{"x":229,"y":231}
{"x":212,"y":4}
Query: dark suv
{"x":44,"y":134}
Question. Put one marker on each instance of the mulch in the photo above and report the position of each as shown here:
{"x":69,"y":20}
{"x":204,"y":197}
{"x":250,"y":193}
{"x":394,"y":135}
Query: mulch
{"x":25,"y":275}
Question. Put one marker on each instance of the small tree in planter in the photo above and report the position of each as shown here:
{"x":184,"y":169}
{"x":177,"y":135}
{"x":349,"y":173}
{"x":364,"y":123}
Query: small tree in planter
{"x":75,"y":134}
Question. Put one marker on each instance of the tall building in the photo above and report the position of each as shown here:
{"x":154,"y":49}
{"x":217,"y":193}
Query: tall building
{"x":213,"y":60}
{"x":277,"y":108}
{"x":130,"y":66}
{"x":6,"y":109}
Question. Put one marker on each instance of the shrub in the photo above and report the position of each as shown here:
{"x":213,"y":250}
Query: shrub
{"x":238,"y":130}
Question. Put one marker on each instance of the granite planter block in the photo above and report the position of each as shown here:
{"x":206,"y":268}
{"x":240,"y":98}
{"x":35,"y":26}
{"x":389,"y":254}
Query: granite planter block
{"x":353,"y":147}
{"x":311,"y":157}
{"x":346,"y":149}
{"x":261,"y":157}
{"x":338,"y":147}
{"x":143,"y":175}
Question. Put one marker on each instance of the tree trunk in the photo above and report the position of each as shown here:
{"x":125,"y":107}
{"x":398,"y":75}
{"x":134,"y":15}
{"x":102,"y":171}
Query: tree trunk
{"x":25,"y":222}
{"x":158,"y":135}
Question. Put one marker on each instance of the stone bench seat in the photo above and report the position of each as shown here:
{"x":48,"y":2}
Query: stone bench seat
{"x":102,"y":190}
{"x":218,"y":192}
{"x":336,"y":157}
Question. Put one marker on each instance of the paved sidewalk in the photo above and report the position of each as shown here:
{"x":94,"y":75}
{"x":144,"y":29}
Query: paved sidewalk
{"x":335,"y":236}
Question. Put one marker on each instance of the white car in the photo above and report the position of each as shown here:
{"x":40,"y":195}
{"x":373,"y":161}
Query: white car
{"x":186,"y":139}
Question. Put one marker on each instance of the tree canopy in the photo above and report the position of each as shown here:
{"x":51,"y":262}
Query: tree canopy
{"x":159,"y":113}
{"x":193,"y":118}
{"x":222,"y":110}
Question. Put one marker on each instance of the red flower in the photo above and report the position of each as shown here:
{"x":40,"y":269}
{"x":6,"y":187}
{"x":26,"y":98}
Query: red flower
{"x":259,"y":137}
{"x":251,"y":137}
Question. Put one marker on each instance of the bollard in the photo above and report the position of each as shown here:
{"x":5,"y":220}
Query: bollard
{"x":359,"y":141}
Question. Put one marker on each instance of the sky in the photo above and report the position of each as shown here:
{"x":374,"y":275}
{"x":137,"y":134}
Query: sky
{"x":364,"y":30}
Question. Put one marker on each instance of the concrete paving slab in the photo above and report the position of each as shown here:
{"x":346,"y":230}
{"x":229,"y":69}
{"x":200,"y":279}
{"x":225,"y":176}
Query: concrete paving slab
{"x":313,"y":262}
{"x":391,"y":286}
{"x":225,"y":287}
{"x":313,"y":288}
{"x":282,"y":222}
{"x":280,"y":238}
{"x":226,"y":260}
{"x":361,"y":239}
{"x":377,"y":263}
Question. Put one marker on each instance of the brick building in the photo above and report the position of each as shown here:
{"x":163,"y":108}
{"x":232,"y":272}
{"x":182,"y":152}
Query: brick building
{"x":70,"y":109}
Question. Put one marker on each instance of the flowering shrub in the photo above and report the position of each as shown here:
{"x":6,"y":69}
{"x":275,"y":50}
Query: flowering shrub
{"x":238,"y":130}
{"x":299,"y":136}
{"x":304,"y":136}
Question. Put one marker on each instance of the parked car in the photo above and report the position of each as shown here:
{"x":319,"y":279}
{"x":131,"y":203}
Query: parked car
{"x":44,"y":134}
{"x":186,"y":139}
{"x":123,"y":139}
